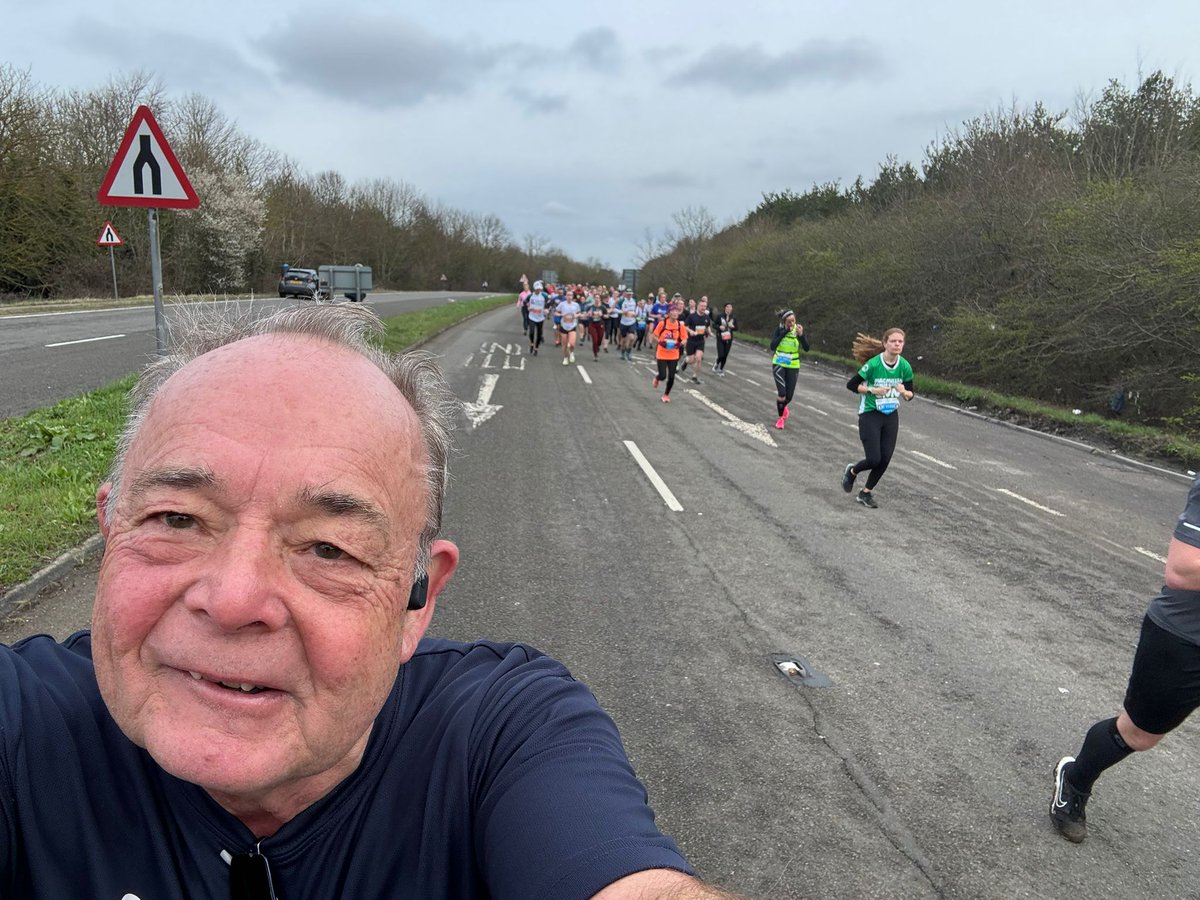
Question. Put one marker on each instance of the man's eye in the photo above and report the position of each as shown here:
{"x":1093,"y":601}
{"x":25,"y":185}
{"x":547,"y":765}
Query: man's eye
{"x":329,"y":551}
{"x":177,"y":520}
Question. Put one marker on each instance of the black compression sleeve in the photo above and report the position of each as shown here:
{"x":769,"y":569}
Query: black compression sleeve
{"x":804,"y":342}
{"x":854,"y":382}
{"x":908,"y":386}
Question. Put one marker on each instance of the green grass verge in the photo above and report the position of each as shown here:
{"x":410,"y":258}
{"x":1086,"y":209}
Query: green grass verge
{"x":53,"y":459}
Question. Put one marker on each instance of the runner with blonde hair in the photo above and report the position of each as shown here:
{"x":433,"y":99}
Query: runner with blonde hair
{"x":885,"y":378}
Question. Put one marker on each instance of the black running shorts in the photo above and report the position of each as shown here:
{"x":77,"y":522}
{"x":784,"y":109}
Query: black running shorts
{"x":694,"y":344}
{"x":1164,"y":686}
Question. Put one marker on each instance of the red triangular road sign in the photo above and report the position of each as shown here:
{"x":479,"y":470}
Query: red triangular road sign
{"x":145,"y":172}
{"x":109,"y":237}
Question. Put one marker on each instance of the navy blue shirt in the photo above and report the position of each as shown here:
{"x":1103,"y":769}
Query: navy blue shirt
{"x":490,"y":772}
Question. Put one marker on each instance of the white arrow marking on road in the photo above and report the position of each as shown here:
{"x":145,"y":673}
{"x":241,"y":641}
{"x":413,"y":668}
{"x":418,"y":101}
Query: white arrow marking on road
{"x":756,"y":431}
{"x":482,"y":409}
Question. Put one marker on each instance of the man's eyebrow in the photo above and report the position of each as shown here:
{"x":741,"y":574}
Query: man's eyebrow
{"x":341,"y":504}
{"x":185,"y":477}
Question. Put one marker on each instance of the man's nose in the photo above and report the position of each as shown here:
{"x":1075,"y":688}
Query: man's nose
{"x":244,"y":583}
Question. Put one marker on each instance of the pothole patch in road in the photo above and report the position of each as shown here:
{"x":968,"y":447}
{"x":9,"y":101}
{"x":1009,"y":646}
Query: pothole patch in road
{"x":798,"y":671}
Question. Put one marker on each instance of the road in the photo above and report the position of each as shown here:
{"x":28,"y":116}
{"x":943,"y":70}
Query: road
{"x":46,"y":357}
{"x":970,"y":629}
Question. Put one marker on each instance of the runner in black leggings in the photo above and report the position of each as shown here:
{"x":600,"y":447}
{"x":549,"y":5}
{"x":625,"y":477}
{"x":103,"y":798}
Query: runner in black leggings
{"x":885,"y":378}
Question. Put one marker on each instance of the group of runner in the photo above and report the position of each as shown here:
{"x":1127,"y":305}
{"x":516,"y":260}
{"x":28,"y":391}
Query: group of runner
{"x":678,"y":330}
{"x":1164,"y":684}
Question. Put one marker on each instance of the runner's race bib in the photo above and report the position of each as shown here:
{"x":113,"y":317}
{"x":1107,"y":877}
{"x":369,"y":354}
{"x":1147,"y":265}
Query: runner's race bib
{"x":782,"y":359}
{"x":726,"y":335}
{"x":888,"y":403}
{"x":669,"y":343}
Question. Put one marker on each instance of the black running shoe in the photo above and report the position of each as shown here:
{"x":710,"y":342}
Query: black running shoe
{"x":865,"y":498}
{"x":848,"y":478}
{"x":1067,"y":806}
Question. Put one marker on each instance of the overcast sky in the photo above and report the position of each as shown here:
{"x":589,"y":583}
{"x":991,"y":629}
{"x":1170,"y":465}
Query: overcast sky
{"x":588,"y":123}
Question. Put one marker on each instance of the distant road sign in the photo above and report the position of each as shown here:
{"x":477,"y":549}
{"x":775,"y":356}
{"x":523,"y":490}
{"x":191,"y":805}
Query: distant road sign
{"x":109,"y":237}
{"x":145,"y":172}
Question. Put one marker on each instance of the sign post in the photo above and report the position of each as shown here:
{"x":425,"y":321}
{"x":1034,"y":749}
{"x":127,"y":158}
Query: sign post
{"x":148,"y":175}
{"x":109,"y":238}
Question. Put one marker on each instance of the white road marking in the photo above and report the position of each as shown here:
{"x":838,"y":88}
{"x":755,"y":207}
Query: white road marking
{"x":659,"y":484}
{"x":479,"y":411}
{"x":107,"y":337}
{"x":751,"y":381}
{"x":927,"y":458}
{"x":819,"y":412}
{"x":584,"y":375}
{"x":754,"y":430}
{"x":467,"y":364}
{"x":1053,"y":512}
{"x":1145,"y":552}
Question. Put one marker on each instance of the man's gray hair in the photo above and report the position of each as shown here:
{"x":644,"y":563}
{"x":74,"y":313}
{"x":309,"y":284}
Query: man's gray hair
{"x":197,"y":329}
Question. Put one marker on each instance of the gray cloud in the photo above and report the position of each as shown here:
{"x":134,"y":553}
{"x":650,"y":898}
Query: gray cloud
{"x":751,"y":70}
{"x":539,"y":104}
{"x":386,"y":62}
{"x":557,"y":210}
{"x":598,"y":48}
{"x":668,"y":181}
{"x":200,"y":64}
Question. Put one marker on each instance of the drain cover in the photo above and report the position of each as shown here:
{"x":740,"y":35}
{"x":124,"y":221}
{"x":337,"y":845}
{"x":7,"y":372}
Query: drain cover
{"x":798,"y":671}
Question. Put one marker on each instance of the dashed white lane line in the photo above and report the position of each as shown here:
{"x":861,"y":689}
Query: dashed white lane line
{"x":107,"y":337}
{"x":1145,"y":552}
{"x":927,"y":458}
{"x":814,"y":409}
{"x":1034,"y":504}
{"x":751,"y":381}
{"x":659,"y":484}
{"x":584,"y":375}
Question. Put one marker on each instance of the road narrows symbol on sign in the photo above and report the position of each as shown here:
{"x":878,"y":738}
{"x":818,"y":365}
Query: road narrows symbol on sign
{"x":145,"y":171}
{"x":109,"y":237}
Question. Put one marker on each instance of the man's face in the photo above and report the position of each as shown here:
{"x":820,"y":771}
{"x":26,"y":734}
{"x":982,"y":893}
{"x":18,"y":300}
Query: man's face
{"x":251,"y":608}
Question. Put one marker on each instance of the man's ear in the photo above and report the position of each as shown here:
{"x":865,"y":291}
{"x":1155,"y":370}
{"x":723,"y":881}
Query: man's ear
{"x":101,"y":511}
{"x":443,"y":560}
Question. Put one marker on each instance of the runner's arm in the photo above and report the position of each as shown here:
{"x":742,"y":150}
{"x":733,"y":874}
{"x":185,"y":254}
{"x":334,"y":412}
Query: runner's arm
{"x":1183,"y":566}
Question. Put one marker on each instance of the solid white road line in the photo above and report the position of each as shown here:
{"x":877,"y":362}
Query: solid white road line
{"x":107,"y":337}
{"x":1145,"y":552}
{"x":936,"y":462}
{"x":1053,"y":512}
{"x":659,"y":484}
{"x":584,"y":375}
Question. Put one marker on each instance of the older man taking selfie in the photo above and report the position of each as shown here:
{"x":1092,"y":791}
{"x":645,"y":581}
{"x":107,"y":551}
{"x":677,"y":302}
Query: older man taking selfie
{"x":255,"y":712}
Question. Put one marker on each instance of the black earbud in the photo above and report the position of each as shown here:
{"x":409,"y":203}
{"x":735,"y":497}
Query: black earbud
{"x":420,"y":593}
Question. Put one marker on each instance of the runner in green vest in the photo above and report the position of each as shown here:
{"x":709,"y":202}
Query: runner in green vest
{"x":786,"y":343}
{"x":885,"y":378}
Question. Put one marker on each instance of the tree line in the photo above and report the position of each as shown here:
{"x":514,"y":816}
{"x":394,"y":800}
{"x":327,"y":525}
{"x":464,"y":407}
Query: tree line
{"x":1048,"y":255}
{"x":258,"y":208}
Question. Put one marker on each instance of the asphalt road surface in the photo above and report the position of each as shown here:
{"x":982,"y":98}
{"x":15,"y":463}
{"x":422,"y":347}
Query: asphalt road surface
{"x":969,"y":630}
{"x":46,"y":357}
